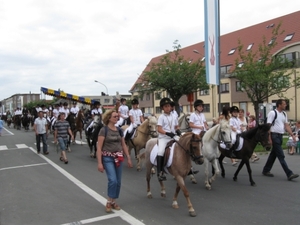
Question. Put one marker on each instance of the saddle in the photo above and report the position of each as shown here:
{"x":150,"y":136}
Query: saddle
{"x":167,"y":151}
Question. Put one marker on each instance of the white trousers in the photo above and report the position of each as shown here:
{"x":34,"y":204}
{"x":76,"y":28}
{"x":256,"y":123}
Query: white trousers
{"x":162,"y":143}
{"x":233,"y":136}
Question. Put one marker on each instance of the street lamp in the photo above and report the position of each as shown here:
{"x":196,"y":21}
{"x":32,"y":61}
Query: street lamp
{"x":103,"y":85}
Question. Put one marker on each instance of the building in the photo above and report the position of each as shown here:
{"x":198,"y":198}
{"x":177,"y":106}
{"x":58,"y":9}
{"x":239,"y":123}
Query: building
{"x":288,"y":44}
{"x":18,"y":100}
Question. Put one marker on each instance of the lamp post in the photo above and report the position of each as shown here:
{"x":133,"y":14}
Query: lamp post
{"x":103,"y":85}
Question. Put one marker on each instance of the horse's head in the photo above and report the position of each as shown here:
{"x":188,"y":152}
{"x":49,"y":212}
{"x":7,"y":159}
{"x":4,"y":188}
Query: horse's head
{"x":193,"y":146}
{"x":97,"y":119}
{"x":152,"y":126}
{"x":262,"y":136}
{"x":224,"y":133}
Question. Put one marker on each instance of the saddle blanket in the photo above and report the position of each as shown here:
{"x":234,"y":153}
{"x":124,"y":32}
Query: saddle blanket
{"x":154,"y":154}
{"x":240,"y":144}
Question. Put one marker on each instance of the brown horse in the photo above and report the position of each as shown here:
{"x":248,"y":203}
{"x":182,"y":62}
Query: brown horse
{"x":188,"y":147}
{"x":78,"y":125}
{"x":143,"y":133}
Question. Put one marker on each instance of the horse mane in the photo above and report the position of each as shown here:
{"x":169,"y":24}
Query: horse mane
{"x":210,"y":133}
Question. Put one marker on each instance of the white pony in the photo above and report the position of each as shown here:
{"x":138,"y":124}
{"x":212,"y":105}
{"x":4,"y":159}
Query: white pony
{"x":211,"y":140}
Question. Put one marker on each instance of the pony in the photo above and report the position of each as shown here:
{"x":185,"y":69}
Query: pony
{"x":186,"y":148}
{"x":79,"y":125}
{"x":183,"y":123}
{"x":251,"y":138}
{"x":92,"y":137}
{"x":17,"y":122}
{"x":25,"y":121}
{"x":211,"y":139}
{"x":142,"y":134}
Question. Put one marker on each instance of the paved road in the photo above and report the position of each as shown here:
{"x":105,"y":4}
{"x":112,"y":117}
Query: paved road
{"x":38,"y":189}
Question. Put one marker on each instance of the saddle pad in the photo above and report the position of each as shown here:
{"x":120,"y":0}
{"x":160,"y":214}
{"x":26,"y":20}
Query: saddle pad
{"x":154,"y":152}
{"x":240,"y":144}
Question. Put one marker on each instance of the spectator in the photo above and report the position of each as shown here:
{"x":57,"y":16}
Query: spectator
{"x":290,"y":143}
{"x":41,"y":131}
{"x":251,"y":125}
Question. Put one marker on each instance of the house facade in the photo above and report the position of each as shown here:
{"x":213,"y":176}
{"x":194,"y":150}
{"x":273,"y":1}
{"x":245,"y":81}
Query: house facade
{"x":288,"y":46}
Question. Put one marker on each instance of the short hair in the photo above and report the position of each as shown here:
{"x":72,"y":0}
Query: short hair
{"x":107,"y":116}
{"x":252,"y":117}
{"x":279,"y":102}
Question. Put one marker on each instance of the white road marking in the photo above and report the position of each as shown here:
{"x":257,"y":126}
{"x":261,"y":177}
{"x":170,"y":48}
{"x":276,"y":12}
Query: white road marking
{"x":121,"y":213}
{"x":17,"y":167}
{"x":21,"y":146}
{"x":8,"y":131}
{"x":3,"y":147}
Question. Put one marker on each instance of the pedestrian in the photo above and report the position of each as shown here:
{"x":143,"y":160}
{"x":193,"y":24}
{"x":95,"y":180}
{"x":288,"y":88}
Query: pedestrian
{"x":290,"y":143}
{"x":1,"y":126}
{"x":167,"y":127}
{"x":41,"y":132}
{"x":111,"y":149}
{"x":279,"y":124}
{"x":61,"y":131}
{"x":251,"y":125}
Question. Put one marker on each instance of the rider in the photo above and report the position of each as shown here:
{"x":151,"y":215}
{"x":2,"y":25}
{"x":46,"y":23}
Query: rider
{"x":74,"y":109}
{"x":235,"y":125}
{"x":123,"y":112}
{"x":96,"y":111}
{"x":46,"y":113}
{"x":197,"y":119}
{"x":65,"y":110}
{"x":55,"y":113}
{"x":136,"y":118}
{"x":167,"y":126}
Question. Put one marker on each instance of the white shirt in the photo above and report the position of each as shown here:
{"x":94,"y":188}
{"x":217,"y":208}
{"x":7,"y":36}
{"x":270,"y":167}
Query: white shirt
{"x":18,"y":112}
{"x":74,"y":110}
{"x":46,"y":112}
{"x":198,"y":119}
{"x":40,"y":125}
{"x":66,"y":111}
{"x":279,"y":122}
{"x":55,"y":113}
{"x":96,"y":111}
{"x":234,"y":122}
{"x":38,"y":109}
{"x":168,"y":123}
{"x":175,"y":114}
{"x":123,"y":109}
{"x":136,"y":115}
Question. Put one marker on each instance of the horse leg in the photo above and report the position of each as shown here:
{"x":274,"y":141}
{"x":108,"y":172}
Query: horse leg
{"x":221,"y":157}
{"x":181,"y":185}
{"x":80,"y":133}
{"x":206,"y":172}
{"x":175,"y":203}
{"x":250,"y":173}
{"x":148,"y":178}
{"x":217,"y":171}
{"x":238,"y":169}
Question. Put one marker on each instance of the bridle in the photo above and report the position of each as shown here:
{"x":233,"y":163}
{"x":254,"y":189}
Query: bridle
{"x":191,"y":151}
{"x":221,"y":138}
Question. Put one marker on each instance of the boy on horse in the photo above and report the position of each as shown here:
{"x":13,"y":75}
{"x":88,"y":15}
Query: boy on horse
{"x":235,"y":125}
{"x":167,"y":126}
{"x":136,"y":118}
{"x":123,"y":112}
{"x":197,"y":119}
{"x":97,"y":111}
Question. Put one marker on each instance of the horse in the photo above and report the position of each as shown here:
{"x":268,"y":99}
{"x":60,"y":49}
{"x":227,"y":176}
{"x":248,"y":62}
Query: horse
{"x":17,"y":121}
{"x":92,"y":137}
{"x":142,"y":134}
{"x":251,"y":138}
{"x":183,"y":123}
{"x":71,"y":120}
{"x":186,"y":148}
{"x":25,"y":121}
{"x":78,"y":125}
{"x":211,"y":139}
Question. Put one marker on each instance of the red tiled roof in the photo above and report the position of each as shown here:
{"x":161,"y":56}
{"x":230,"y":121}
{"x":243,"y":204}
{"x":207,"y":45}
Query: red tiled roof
{"x":253,"y":34}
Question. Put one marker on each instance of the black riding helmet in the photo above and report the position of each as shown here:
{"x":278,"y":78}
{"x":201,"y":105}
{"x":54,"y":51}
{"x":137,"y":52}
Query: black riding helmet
{"x":164,"y":101}
{"x":234,"y":109}
{"x":134,"y":102}
{"x":122,"y":100}
{"x":198,"y":102}
{"x":96,"y":103}
{"x":65,"y":104}
{"x":172,"y":104}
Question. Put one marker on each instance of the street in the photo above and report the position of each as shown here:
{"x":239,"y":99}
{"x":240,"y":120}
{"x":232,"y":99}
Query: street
{"x":39,"y":189}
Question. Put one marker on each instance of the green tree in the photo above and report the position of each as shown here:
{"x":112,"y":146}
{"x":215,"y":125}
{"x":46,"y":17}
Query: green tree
{"x":262,"y":74}
{"x":174,"y":74}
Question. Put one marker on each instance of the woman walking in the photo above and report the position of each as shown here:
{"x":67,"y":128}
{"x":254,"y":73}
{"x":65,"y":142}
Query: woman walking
{"x":111,"y":148}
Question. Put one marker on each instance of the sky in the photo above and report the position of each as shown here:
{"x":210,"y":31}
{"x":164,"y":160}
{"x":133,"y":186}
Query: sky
{"x":68,"y":44}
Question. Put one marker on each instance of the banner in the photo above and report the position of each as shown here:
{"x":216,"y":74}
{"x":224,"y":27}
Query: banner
{"x":212,"y":64}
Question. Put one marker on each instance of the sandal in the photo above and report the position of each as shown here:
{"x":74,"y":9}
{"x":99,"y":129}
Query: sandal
{"x":115,"y":206}
{"x":66,"y":161}
{"x":61,"y":159}
{"x":108,"y":207}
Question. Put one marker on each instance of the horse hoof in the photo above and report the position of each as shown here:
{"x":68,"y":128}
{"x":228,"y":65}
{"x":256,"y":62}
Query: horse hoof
{"x":253,"y":184}
{"x":193,"y":213}
{"x":235,"y":178}
{"x":149,"y":196}
{"x":194,"y":181}
{"x":175,"y":206}
{"x":208,"y":188}
{"x":163,"y":195}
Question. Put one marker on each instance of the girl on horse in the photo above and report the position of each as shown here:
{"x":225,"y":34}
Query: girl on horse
{"x":197,"y":119}
{"x":235,"y":125}
{"x":96,"y":111}
{"x":123,"y":112}
{"x":136,"y":118}
{"x":167,"y":126}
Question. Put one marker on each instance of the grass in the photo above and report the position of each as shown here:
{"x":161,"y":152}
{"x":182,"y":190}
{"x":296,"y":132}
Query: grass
{"x":259,"y":147}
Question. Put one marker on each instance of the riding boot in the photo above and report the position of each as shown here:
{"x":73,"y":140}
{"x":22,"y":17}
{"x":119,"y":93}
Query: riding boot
{"x":232,"y":149}
{"x":193,"y":172}
{"x":160,"y":164}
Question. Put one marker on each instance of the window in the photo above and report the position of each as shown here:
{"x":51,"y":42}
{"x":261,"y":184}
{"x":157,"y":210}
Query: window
{"x":225,"y":70}
{"x":288,"y":37}
{"x":291,"y":57}
{"x":231,"y":51}
{"x":224,"y":88}
{"x":272,"y":41}
{"x":106,"y":100}
{"x":204,"y":92}
{"x":206,"y":108}
{"x":157,"y":95}
{"x":147,"y":97}
{"x":158,"y":110}
{"x":249,"y":46}
{"x":238,"y":86}
{"x":223,"y":105}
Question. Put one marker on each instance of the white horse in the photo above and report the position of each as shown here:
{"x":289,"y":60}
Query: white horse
{"x":211,"y":140}
{"x":183,"y":123}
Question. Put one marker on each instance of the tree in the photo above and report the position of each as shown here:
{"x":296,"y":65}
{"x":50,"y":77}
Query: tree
{"x":262,"y":74}
{"x":175,"y":75}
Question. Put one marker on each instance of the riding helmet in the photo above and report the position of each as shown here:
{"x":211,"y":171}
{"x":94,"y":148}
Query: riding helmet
{"x":134,"y":102}
{"x":165,"y":101}
{"x":74,"y":103}
{"x":198,"y":102}
{"x":96,"y":103}
{"x":65,"y":104}
{"x":234,"y":109}
{"x":123,"y":99}
{"x":42,"y":106}
{"x":172,"y":104}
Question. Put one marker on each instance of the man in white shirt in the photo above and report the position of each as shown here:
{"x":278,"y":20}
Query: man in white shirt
{"x":41,"y":132}
{"x":279,"y":125}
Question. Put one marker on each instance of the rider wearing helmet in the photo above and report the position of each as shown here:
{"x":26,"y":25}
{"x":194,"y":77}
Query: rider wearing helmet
{"x":123,"y":112}
{"x":197,"y":119}
{"x":74,"y":109}
{"x":96,"y":111}
{"x":235,"y":125}
{"x":65,"y":109}
{"x":167,"y":126}
{"x":136,"y":118}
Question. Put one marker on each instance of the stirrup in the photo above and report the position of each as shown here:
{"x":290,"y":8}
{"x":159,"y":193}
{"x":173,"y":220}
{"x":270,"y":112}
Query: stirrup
{"x":161,"y":176}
